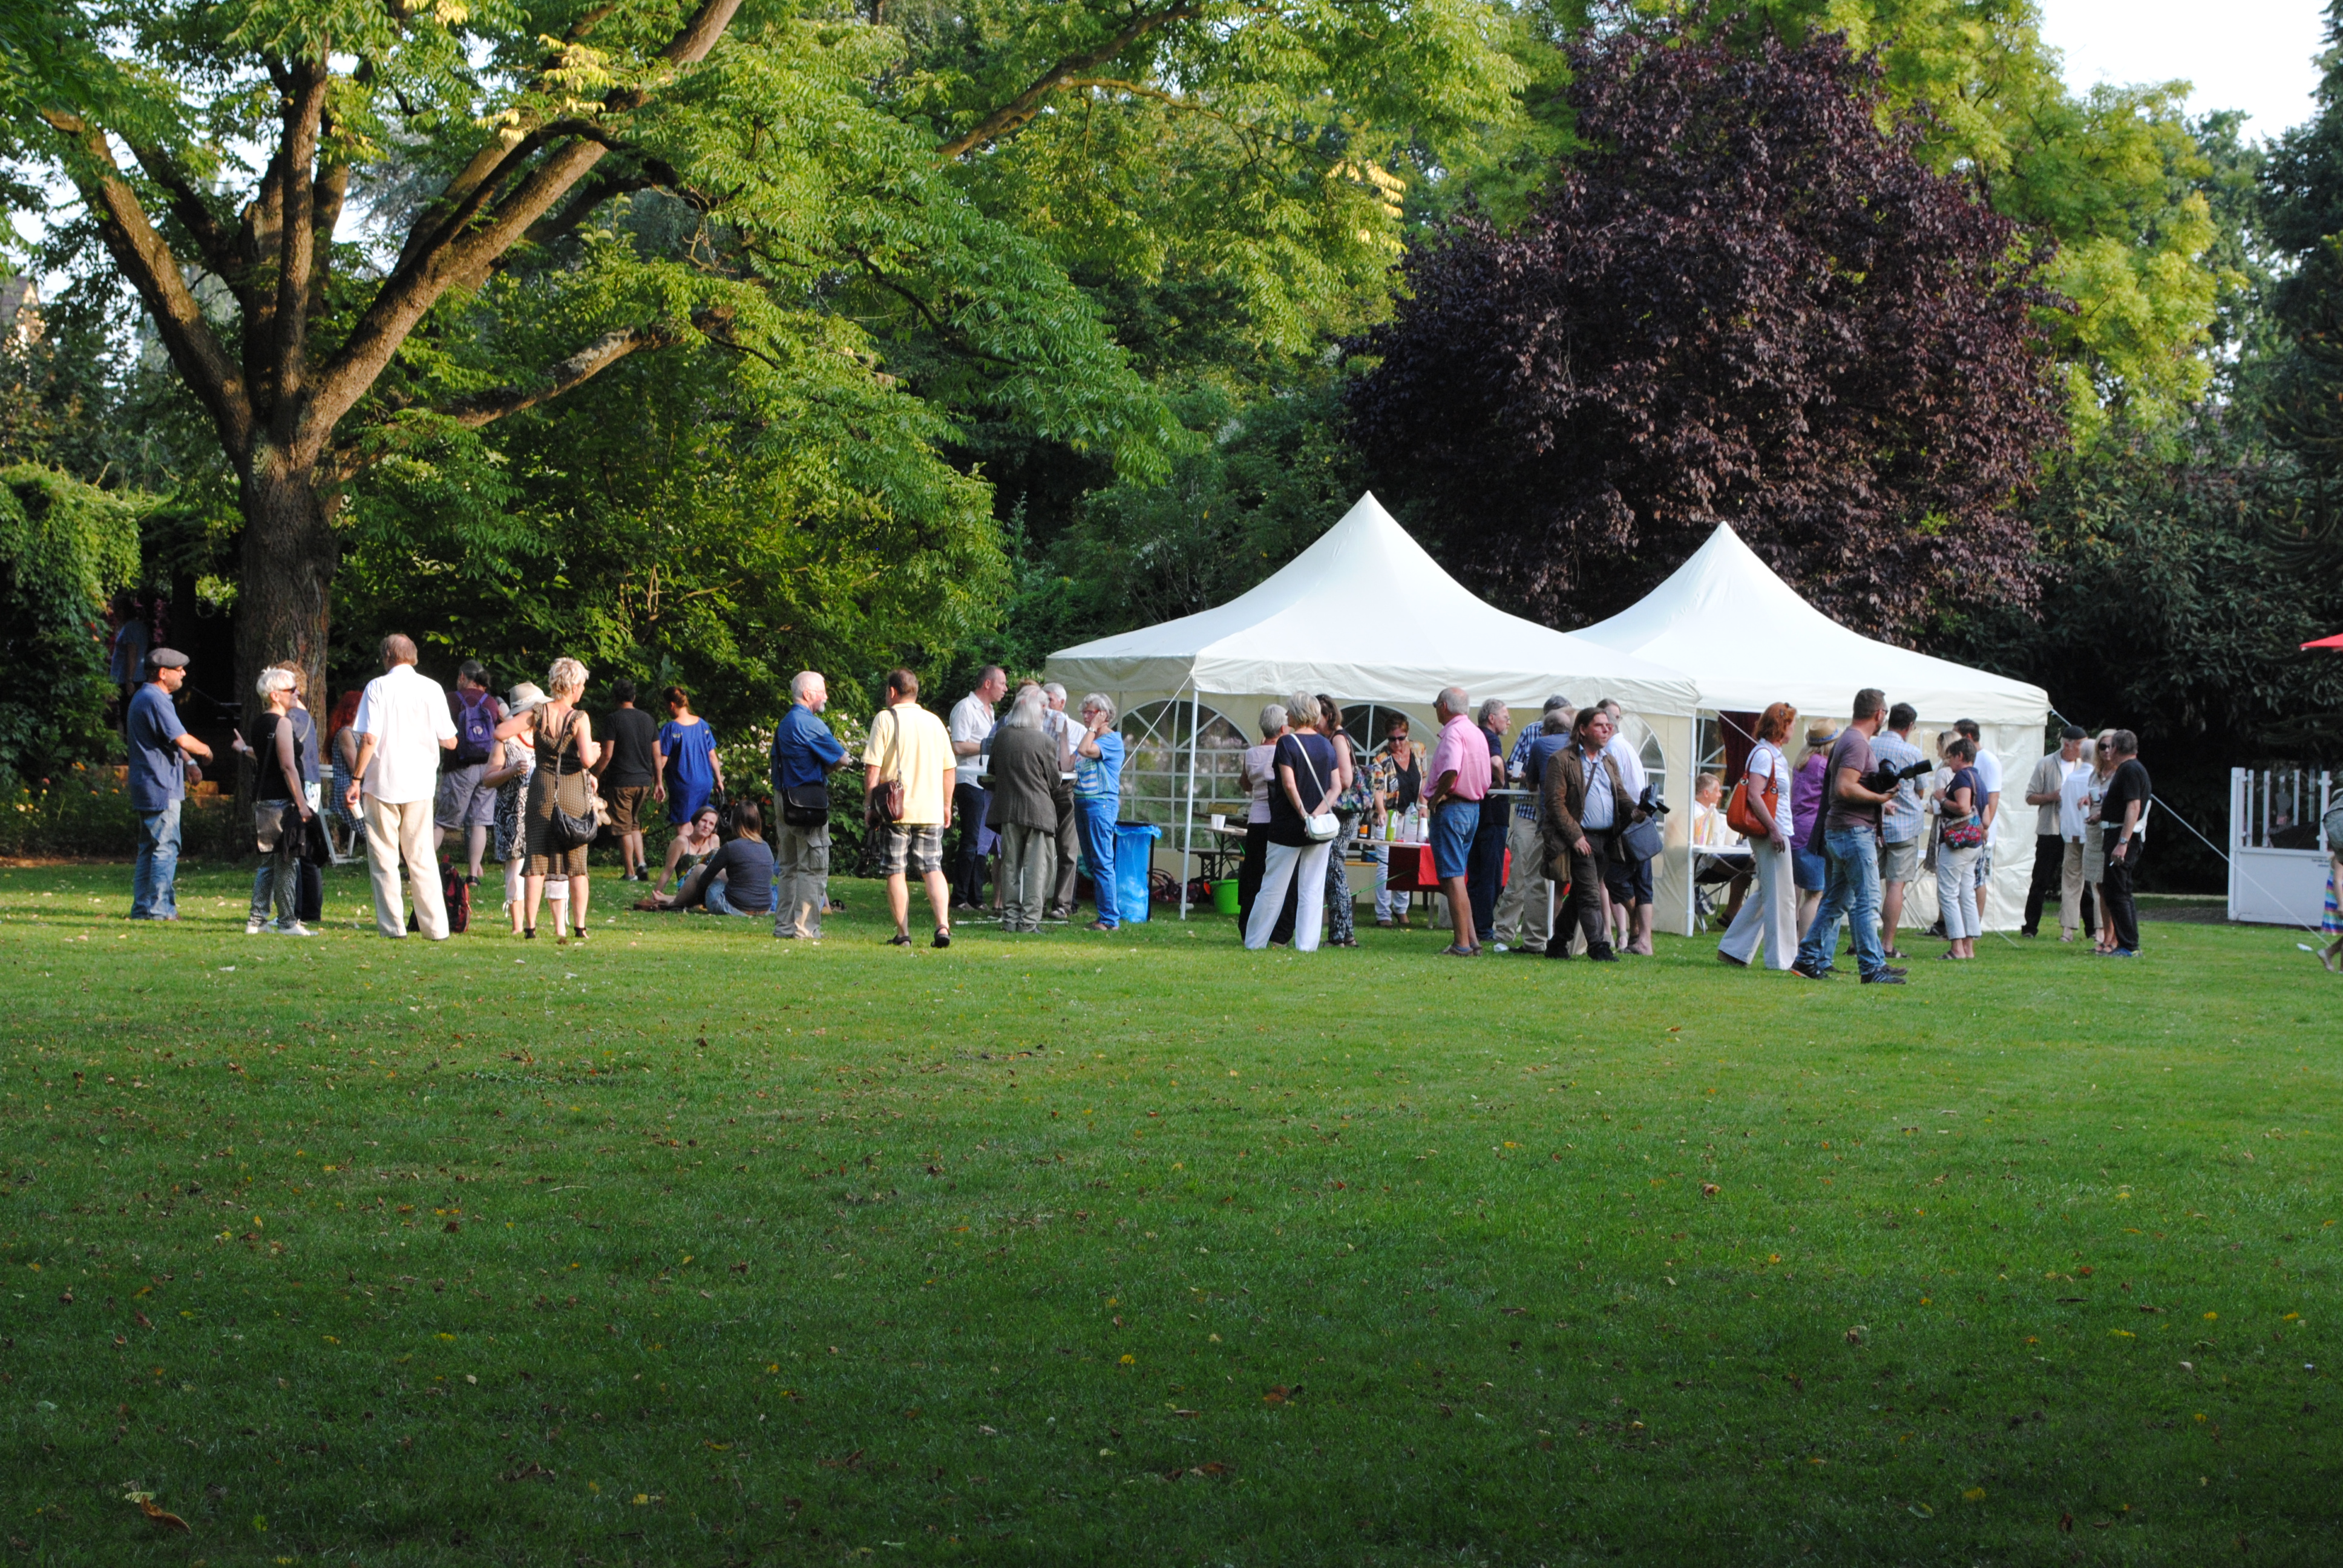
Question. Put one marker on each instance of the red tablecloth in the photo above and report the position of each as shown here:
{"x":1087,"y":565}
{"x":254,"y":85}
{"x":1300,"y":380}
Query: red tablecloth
{"x":1412,"y":869}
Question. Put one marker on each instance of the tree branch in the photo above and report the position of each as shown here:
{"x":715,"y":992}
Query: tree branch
{"x":213,"y":240}
{"x":480,"y":409}
{"x":1020,"y":109}
{"x":426,"y":273}
{"x":305,"y":106}
{"x":153,"y":271}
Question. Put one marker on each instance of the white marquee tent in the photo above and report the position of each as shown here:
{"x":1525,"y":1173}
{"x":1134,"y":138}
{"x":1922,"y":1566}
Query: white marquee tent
{"x":1365,"y":615}
{"x":1746,"y":639}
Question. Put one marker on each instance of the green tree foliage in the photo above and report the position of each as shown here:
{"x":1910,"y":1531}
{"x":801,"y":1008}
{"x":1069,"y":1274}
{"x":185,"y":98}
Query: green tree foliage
{"x":2113,"y":178}
{"x":2168,"y":606}
{"x":871,"y":241}
{"x":65,"y":547}
{"x":1276,"y":474}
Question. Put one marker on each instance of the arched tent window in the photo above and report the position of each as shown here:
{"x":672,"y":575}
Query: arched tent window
{"x":1648,"y":750}
{"x":1155,"y":763}
{"x":1367,"y":722}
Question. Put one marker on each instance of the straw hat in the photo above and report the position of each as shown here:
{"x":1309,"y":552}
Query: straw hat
{"x":526,"y":698}
{"x":1821,"y":733}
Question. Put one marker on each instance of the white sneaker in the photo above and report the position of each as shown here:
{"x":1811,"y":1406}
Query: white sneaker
{"x":255,"y":926}
{"x":1499,"y":947}
{"x":292,"y":929}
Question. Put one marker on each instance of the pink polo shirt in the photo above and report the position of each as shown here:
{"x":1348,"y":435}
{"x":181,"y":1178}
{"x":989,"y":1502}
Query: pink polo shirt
{"x":1460,"y":747}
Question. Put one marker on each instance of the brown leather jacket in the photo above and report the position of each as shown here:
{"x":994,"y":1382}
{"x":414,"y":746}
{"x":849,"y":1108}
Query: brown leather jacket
{"x":1564,"y":798}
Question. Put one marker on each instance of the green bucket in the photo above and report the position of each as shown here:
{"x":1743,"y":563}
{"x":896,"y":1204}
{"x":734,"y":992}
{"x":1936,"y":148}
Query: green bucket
{"x":1224,"y":895}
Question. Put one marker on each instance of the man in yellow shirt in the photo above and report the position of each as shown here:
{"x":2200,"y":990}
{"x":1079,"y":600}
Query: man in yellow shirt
{"x":910,"y":748}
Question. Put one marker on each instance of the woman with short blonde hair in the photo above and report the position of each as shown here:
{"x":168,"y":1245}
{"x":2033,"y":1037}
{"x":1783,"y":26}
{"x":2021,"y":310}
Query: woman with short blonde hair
{"x":565,"y":751}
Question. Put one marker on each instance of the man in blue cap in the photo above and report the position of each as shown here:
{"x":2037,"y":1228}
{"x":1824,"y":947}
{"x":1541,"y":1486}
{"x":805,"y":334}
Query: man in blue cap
{"x":159,"y":748}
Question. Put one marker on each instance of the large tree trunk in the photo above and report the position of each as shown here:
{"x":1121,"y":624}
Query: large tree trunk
{"x":285,"y":606}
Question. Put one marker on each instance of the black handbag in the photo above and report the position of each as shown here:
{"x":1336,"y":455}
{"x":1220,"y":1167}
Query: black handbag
{"x":806,"y":805}
{"x":1643,"y":839}
{"x":568,"y":830}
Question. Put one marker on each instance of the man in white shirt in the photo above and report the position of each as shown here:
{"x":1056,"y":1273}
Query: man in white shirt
{"x":2077,"y":909}
{"x":1631,"y":879}
{"x":972,"y":737}
{"x":2043,"y":792}
{"x":1070,"y":836}
{"x":403,"y":724}
{"x":1988,"y":770}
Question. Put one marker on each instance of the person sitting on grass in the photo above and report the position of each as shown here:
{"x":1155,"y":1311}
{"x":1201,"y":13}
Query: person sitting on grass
{"x":694,"y":841}
{"x":738,"y":879}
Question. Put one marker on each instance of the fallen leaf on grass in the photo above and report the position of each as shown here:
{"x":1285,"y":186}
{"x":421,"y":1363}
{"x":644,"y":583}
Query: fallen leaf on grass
{"x":532,"y":1470}
{"x":146,"y":1505}
{"x":2066,"y":1523}
{"x":1280,"y":1394}
{"x":851,"y":1462}
{"x":1973,"y":1495}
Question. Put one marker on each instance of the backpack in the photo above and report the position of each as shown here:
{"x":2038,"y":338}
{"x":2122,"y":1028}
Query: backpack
{"x":457,"y":894}
{"x":476,"y":731}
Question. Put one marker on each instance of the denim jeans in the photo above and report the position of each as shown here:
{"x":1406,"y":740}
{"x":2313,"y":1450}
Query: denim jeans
{"x":1851,"y":890}
{"x":716,"y":903}
{"x":1097,"y":820}
{"x":153,"y":891}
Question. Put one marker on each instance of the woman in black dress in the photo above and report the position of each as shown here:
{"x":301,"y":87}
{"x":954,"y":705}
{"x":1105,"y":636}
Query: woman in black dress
{"x":565,"y":750}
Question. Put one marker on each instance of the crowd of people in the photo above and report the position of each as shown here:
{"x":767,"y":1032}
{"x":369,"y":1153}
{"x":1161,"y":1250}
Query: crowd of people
{"x":1546,"y":846}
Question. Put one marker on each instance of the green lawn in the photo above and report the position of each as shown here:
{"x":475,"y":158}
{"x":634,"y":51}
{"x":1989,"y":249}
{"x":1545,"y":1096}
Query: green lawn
{"x":690,"y":1247}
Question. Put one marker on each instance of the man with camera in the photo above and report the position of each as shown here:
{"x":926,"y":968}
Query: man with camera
{"x":1847,"y":830}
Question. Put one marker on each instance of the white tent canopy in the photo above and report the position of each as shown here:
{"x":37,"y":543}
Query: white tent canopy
{"x":1747,"y":640}
{"x":1366,"y":614}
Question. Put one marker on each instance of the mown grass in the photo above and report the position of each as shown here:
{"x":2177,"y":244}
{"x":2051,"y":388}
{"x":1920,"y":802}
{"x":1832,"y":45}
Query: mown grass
{"x":691,"y":1247}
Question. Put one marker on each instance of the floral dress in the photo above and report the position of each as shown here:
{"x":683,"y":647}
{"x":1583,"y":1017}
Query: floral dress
{"x":511,"y":843}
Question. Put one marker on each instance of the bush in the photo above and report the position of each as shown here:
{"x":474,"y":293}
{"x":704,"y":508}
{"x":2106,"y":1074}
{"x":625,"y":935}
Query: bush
{"x":85,"y":811}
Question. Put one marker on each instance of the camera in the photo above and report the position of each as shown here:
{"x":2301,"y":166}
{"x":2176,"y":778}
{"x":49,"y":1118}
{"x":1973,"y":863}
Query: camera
{"x":1884,"y":780}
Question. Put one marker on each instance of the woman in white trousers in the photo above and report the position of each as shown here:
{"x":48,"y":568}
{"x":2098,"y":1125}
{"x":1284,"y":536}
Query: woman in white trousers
{"x":1769,"y":910}
{"x":1305,"y":781}
{"x":1288,"y":864}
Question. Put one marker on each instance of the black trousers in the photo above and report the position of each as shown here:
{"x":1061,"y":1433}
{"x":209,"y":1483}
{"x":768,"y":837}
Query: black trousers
{"x":1249,"y":870}
{"x":1588,"y":872}
{"x":969,"y":804}
{"x":2049,"y":860}
{"x":1070,"y":846}
{"x":1485,"y":865}
{"x":2122,"y":911}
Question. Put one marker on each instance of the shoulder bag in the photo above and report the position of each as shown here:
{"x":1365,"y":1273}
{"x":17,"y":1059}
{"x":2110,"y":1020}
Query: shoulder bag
{"x":569,"y":830}
{"x":1322,"y":827}
{"x":1966,"y":832}
{"x":1737,"y":815}
{"x":885,"y":806}
{"x":1643,"y":840}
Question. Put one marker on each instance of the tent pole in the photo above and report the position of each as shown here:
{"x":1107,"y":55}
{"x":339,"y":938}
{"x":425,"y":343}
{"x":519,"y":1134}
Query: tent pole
{"x":1692,"y":853}
{"x":1188,"y":816}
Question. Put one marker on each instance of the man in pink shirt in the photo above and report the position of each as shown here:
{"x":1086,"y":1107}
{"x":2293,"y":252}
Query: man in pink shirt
{"x":1460,"y":773}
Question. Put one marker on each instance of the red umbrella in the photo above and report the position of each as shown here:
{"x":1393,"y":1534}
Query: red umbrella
{"x":2335,"y":641}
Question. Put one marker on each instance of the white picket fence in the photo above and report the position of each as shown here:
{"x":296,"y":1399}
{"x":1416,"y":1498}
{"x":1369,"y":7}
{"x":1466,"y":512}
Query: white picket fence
{"x":2278,"y":850}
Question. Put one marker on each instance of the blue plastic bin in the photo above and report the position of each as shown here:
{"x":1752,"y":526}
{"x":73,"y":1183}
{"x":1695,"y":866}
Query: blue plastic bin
{"x":1134,"y":857}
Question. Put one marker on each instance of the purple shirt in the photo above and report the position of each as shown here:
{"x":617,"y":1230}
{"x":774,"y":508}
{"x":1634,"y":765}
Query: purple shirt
{"x":1462,"y":748}
{"x":1806,"y":788}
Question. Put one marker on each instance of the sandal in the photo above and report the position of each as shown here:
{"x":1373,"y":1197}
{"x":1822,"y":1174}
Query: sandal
{"x":1452,"y":952}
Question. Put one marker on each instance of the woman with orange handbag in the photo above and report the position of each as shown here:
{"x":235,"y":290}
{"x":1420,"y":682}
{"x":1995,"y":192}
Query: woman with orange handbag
{"x":1761,"y":811}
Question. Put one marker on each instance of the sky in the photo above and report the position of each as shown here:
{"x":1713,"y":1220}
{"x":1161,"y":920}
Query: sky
{"x":2258,"y":55}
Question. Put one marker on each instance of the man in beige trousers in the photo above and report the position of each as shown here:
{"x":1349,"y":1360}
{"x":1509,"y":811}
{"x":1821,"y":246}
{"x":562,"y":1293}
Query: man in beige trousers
{"x":403,"y":724}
